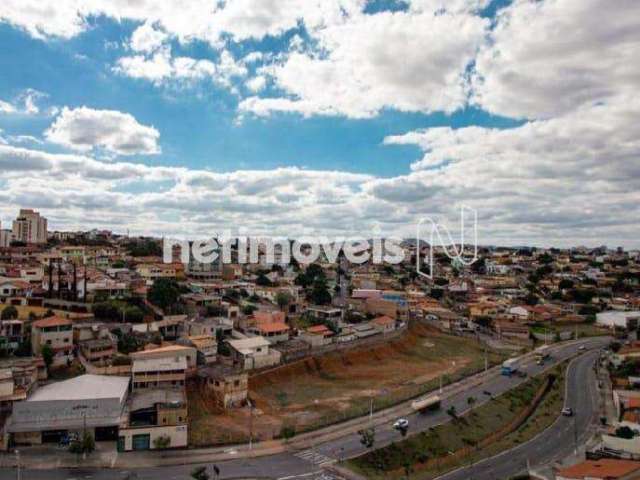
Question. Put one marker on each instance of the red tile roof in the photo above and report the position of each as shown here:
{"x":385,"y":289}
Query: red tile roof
{"x":52,"y":322}
{"x":606,"y":468}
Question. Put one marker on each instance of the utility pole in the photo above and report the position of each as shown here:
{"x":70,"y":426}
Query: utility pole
{"x":250,"y":424}
{"x":18,"y":465}
{"x":575,"y":435}
{"x":371,"y":410}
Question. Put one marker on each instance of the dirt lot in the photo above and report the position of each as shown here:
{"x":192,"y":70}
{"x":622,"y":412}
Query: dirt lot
{"x":339,"y":386}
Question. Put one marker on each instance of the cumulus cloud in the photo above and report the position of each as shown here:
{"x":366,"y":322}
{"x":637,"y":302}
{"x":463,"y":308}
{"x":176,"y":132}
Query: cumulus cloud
{"x":147,"y":38}
{"x":399,"y":60}
{"x":549,"y":57}
{"x":84,"y":129}
{"x":162,"y":67}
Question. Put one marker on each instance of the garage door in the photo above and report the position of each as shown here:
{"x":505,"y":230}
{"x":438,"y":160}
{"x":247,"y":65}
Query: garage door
{"x":141,"y":442}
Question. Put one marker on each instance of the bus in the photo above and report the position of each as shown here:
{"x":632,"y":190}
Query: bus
{"x":542,"y":353}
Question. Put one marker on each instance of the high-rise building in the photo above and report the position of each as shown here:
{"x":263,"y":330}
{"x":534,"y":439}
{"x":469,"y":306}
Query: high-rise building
{"x":5,"y":237}
{"x":29,"y":227}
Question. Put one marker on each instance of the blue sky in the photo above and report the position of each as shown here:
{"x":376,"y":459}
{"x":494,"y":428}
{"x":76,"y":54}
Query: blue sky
{"x":380,"y":111}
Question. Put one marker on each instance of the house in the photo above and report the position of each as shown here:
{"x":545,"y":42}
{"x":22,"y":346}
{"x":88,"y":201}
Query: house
{"x":381,"y":306}
{"x":163,"y":372}
{"x":317,"y":336}
{"x":275,"y":332}
{"x":99,"y":350}
{"x":206,"y":346}
{"x":229,"y":385}
{"x":253,"y":353}
{"x":92,"y":403}
{"x":326,"y":315}
{"x":11,"y":334}
{"x":384,"y":324}
{"x":189,"y":354}
{"x":57,"y":334}
{"x":604,"y":469}
{"x":157,"y":420}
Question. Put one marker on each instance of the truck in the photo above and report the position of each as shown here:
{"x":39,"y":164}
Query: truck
{"x":427,"y":404}
{"x":509,"y":367}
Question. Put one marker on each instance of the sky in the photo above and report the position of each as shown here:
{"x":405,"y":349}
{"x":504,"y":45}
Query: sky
{"x":324,"y":117}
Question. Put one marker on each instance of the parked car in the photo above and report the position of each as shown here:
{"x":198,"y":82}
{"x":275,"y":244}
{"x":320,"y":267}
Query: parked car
{"x":567,"y":412}
{"x":401,"y":424}
{"x":582,"y":348}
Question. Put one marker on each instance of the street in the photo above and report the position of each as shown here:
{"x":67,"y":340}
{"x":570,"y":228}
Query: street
{"x":307,"y":464}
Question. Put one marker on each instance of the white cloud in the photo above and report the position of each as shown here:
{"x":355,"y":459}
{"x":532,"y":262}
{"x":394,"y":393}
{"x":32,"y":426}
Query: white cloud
{"x":84,"y":129}
{"x":256,"y":84}
{"x":549,"y":57}
{"x":409,"y":62}
{"x":162,"y":67}
{"x":146,"y":38}
{"x":6,"y":107}
{"x":26,"y":103}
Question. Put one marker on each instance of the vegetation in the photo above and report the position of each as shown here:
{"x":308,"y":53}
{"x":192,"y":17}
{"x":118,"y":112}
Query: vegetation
{"x":164,"y":293}
{"x":200,"y":473}
{"x":9,"y":313}
{"x":85,"y":444}
{"x":162,"y":442}
{"x":47,"y":355}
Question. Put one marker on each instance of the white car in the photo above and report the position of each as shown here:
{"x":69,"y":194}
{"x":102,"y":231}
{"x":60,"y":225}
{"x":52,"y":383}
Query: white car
{"x":567,"y":412}
{"x":401,"y":424}
{"x":582,"y":348}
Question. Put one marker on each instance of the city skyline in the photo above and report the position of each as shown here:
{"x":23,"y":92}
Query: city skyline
{"x":343,"y":116}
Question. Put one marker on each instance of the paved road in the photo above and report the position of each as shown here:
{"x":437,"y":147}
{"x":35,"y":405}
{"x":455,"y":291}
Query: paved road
{"x":556,"y":442}
{"x":306,"y":464}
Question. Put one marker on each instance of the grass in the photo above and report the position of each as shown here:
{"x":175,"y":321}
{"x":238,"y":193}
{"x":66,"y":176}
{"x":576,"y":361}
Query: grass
{"x":339,"y":386}
{"x":413,"y":453}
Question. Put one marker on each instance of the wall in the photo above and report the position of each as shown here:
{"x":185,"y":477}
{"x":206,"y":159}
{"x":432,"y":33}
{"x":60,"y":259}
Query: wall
{"x":178,"y":435}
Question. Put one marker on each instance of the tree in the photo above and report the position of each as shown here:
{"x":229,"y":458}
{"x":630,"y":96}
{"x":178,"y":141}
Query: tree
{"x":162,"y":442}
{"x":625,"y":432}
{"x":367,"y":437}
{"x":263,"y":281}
{"x":283,"y":299}
{"x":471,"y":401}
{"x":85,"y":444}
{"x":47,"y":355}
{"x":164,"y":293}
{"x":287,"y":432}
{"x":9,"y":313}
{"x":451,"y":411}
{"x":200,"y":473}
{"x":320,"y":293}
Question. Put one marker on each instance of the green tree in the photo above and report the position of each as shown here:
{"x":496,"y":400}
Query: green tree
{"x":200,"y":473}
{"x":9,"y":313}
{"x":320,"y":292}
{"x":164,"y":293}
{"x":263,"y":281}
{"x":47,"y":355}
{"x":283,"y":299}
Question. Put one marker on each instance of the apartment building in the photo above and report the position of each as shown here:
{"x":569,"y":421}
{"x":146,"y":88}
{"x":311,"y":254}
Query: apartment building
{"x":29,"y":227}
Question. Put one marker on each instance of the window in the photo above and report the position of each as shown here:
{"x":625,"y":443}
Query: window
{"x":236,"y":383}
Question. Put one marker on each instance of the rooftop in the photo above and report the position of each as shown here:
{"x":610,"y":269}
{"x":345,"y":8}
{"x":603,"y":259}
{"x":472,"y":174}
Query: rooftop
{"x":604,"y":468}
{"x":52,"y":322}
{"x":84,"y":387}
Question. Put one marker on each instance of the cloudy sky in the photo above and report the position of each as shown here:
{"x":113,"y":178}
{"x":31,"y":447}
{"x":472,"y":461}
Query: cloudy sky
{"x":333,"y":116}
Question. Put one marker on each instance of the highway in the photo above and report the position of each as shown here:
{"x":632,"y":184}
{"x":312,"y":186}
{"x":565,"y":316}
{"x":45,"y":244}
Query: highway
{"x":307,"y":464}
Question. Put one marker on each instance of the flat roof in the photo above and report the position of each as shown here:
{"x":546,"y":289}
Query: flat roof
{"x":251,"y":342}
{"x":84,"y":387}
{"x":159,"y":364}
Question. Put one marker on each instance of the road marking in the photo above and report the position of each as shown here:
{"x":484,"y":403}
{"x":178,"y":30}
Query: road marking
{"x":318,"y":475}
{"x":314,"y":457}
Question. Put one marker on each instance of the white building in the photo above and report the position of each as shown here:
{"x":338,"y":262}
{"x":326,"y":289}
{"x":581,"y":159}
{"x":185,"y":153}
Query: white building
{"x":29,"y":227}
{"x":614,"y":318}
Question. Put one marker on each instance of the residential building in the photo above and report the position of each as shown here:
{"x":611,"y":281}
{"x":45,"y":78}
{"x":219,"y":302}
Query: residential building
{"x":229,"y":385}
{"x":253,"y":353}
{"x":164,"y":372}
{"x":99,"y":350}
{"x":29,"y":227}
{"x":55,"y":332}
